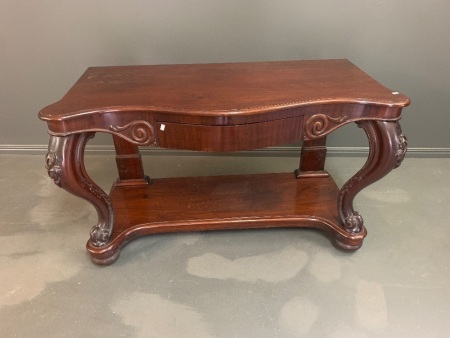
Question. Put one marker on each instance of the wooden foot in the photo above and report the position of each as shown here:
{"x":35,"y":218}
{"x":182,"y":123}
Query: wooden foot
{"x":106,"y":257}
{"x":351,"y":243}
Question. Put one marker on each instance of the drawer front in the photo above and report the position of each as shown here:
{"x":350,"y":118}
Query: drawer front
{"x":230,"y":138}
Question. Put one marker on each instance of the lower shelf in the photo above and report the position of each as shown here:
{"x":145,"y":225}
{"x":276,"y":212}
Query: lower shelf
{"x":223,"y":202}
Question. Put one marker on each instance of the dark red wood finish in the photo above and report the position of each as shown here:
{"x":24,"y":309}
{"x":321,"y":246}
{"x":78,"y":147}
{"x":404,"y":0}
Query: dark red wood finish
{"x":222,"y":107}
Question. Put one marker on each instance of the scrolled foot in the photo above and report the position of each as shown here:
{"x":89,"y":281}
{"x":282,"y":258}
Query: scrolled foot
{"x":354,"y":223}
{"x":99,"y":236}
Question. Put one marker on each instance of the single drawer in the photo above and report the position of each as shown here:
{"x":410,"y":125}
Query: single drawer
{"x":230,"y":138}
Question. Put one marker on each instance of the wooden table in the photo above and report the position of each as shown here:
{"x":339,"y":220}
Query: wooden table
{"x":222,"y":107}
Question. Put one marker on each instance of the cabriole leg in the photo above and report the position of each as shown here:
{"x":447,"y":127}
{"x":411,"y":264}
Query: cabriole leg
{"x":387,"y":149}
{"x":65,"y":165}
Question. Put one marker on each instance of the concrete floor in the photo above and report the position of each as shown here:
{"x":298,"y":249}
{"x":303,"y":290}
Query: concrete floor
{"x":258,"y":283}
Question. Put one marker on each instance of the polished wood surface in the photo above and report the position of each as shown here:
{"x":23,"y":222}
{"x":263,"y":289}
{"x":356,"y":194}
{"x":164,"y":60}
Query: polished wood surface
{"x":220,"y":89}
{"x":222,"y":107}
{"x":107,"y":99}
{"x":222,"y":203}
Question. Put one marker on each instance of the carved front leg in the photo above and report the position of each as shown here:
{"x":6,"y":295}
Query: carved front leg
{"x":65,"y":165}
{"x":387,"y":150}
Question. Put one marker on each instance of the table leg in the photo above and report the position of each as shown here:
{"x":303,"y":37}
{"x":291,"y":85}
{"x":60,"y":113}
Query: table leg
{"x":65,"y":165}
{"x":129,"y":163}
{"x":388,"y":147}
{"x":312,"y":158}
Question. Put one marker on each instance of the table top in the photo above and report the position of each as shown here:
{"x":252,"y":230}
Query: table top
{"x":220,"y":89}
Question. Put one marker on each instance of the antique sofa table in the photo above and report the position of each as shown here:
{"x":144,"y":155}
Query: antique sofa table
{"x":222,"y":108}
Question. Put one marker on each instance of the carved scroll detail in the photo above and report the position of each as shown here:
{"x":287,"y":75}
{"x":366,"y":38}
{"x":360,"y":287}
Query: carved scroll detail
{"x":99,"y":237}
{"x":401,"y":150}
{"x":320,"y":124}
{"x":52,"y":164}
{"x":354,"y":223}
{"x":101,"y":232}
{"x":139,"y":132}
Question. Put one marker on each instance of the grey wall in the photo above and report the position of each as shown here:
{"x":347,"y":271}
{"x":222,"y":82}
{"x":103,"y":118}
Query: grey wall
{"x":45,"y":45}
